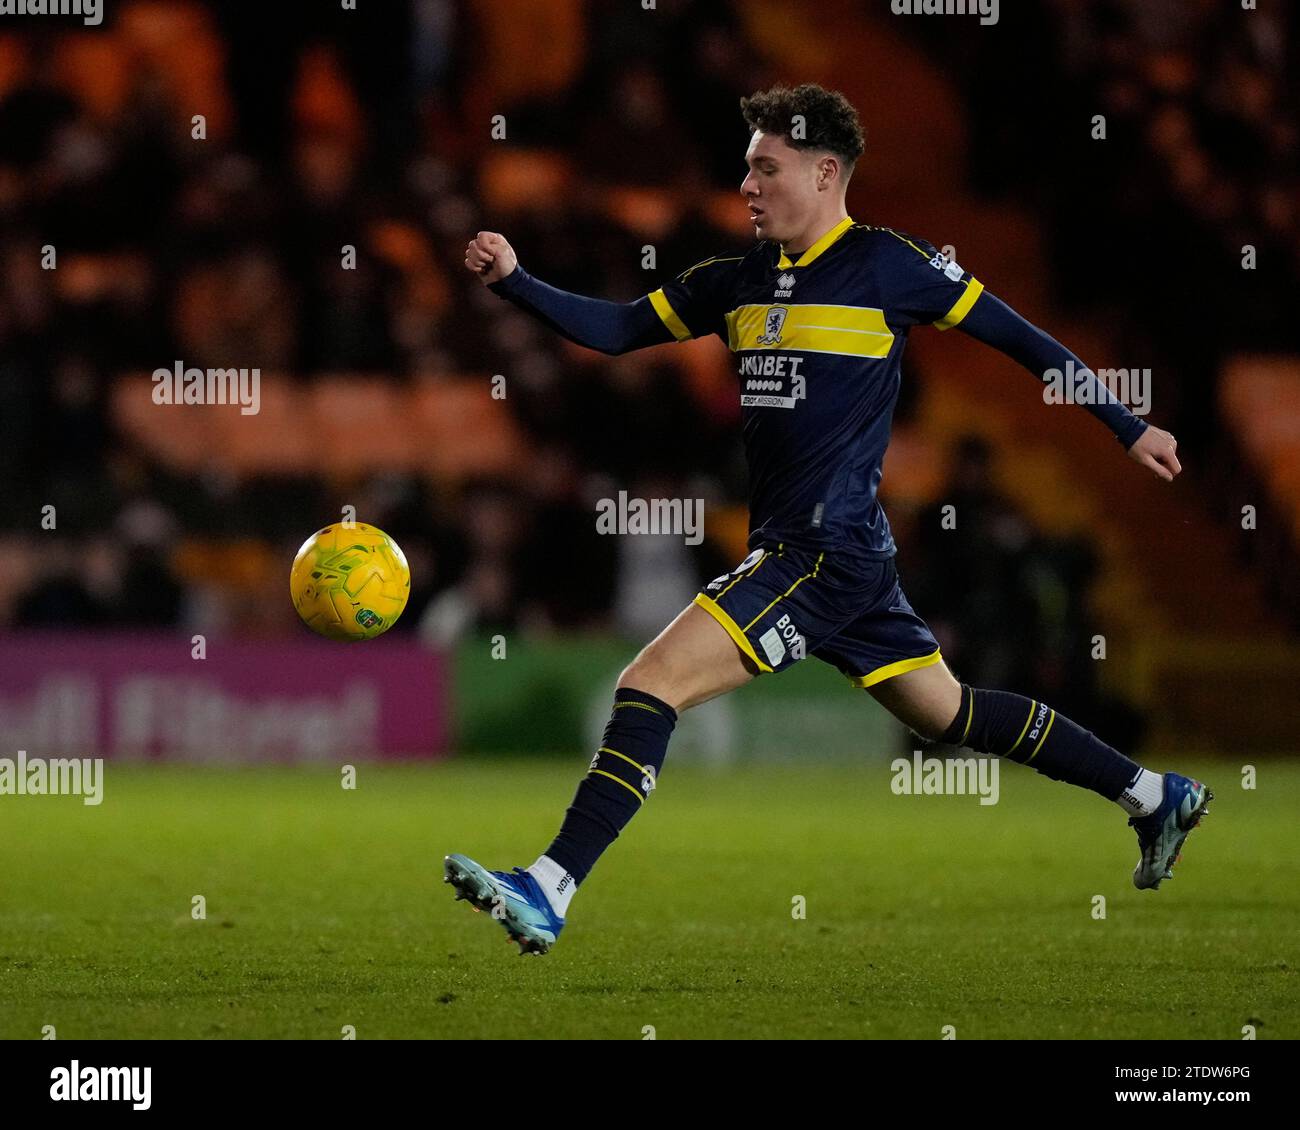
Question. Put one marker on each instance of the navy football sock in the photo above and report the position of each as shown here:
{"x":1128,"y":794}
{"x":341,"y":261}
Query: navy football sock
{"x":621,"y":777}
{"x":1033,"y":734}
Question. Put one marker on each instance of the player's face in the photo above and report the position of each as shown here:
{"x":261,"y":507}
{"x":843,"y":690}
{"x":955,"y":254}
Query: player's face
{"x":781,"y":187}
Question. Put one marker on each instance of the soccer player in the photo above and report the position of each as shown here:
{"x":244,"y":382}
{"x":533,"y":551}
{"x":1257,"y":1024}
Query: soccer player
{"x":817,"y":314}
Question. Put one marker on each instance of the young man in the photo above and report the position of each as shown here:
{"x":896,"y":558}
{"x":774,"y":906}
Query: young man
{"x":817,"y":314}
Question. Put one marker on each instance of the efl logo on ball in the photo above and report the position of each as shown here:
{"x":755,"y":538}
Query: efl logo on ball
{"x":350,"y":582}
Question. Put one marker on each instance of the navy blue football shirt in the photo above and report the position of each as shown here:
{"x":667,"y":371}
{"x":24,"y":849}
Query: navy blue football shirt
{"x":819,"y":341}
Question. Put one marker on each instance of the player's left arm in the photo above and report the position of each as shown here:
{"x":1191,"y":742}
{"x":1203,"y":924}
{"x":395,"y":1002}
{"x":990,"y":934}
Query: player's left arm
{"x":925,"y":285}
{"x":993,"y":322}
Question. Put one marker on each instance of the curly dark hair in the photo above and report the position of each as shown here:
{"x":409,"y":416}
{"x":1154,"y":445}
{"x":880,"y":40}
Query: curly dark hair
{"x":830,"y":121}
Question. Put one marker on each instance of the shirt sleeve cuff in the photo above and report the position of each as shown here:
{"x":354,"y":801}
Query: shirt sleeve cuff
{"x":1132,"y":432}
{"x":511,"y":283}
{"x":667,"y":315}
{"x":962,"y":306}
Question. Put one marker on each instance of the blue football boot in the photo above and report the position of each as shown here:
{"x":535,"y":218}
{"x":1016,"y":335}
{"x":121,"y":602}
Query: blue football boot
{"x":515,"y":899}
{"x":1161,"y":834}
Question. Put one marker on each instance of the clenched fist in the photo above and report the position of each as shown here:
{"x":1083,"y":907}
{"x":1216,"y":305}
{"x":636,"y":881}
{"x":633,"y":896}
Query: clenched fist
{"x":1155,"y":449}
{"x":490,"y":257}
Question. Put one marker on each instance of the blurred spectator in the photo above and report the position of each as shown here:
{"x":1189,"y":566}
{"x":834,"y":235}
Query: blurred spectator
{"x":964,"y":571}
{"x":322,"y":137}
{"x":1008,"y":605}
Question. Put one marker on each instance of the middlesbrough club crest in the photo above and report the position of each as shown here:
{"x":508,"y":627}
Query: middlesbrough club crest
{"x":775,"y":320}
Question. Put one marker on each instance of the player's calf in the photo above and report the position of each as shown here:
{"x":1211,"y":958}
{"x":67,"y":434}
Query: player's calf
{"x":1032,"y":733}
{"x":1163,"y":809}
{"x":532,"y":902}
{"x":691,"y":661}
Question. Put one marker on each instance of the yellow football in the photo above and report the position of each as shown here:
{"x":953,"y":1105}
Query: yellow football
{"x":350,"y":582}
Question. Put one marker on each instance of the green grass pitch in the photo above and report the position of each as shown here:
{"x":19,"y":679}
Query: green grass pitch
{"x":326,"y":908}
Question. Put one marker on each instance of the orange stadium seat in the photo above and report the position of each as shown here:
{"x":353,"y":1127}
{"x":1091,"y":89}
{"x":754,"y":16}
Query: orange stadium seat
{"x":1260,"y":397}
{"x":324,"y":100}
{"x":279,"y":439}
{"x":531,"y":49}
{"x":179,"y":41}
{"x":462,"y":431}
{"x":346,"y":425}
{"x":650,"y":212}
{"x":13,"y":63}
{"x":521,"y":180}
{"x":96,"y":70}
{"x":361,"y":422}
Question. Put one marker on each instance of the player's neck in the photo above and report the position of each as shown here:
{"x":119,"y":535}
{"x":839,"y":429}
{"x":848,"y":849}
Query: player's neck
{"x":793,"y":248}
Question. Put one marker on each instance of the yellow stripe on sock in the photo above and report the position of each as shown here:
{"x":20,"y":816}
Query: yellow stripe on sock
{"x":641,"y":705}
{"x":624,"y":756}
{"x":1032,"y":707}
{"x":970,"y":717}
{"x":622,"y":782}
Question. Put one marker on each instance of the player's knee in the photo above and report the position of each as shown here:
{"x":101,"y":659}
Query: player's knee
{"x":924,"y":721}
{"x":926,"y":704}
{"x":648,"y":673}
{"x":928,"y":726}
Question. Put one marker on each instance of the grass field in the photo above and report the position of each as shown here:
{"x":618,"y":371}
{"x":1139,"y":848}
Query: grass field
{"x":326,"y":908}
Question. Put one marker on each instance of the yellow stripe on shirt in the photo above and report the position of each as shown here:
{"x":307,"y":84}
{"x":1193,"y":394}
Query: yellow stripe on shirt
{"x":667,"y":315}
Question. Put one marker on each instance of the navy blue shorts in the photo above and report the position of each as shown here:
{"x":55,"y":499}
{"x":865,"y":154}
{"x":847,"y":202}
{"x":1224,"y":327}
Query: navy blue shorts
{"x":781,"y":604}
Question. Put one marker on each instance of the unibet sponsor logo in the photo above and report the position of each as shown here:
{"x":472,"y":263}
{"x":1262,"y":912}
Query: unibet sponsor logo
{"x":768,"y":393}
{"x":769,"y":365}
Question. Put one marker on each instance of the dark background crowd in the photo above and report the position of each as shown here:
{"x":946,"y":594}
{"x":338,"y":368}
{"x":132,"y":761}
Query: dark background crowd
{"x":225,"y":251}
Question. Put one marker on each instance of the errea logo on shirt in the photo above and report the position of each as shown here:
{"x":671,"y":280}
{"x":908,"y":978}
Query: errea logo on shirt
{"x":952,"y":268}
{"x":784,"y":286}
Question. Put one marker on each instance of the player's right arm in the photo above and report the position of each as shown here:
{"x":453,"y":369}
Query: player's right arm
{"x":610,"y":327}
{"x":685,"y":308}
